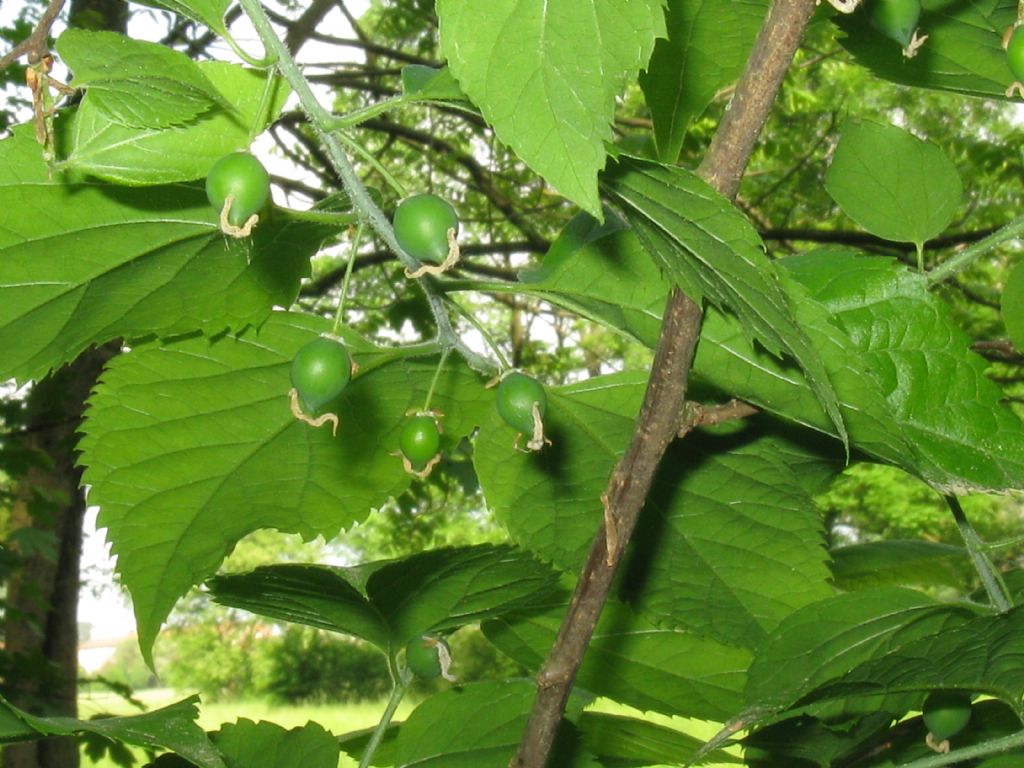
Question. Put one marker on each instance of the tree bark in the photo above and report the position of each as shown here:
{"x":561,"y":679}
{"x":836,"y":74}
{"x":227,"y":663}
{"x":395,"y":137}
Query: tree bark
{"x":41,"y":621}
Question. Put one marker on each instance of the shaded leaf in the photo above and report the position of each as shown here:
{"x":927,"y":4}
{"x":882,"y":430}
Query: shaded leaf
{"x":246,"y":743}
{"x":545,"y":75}
{"x":430,"y":84}
{"x":895,"y":563}
{"x":389,"y":603}
{"x":963,"y":53}
{"x":191,"y":445}
{"x":684,"y":548}
{"x":126,"y":263}
{"x":893,"y":184}
{"x":626,"y":741}
{"x":707,"y":45}
{"x":632,"y":661}
{"x":710,"y":250}
{"x":478,"y":726}
{"x":172,"y":727}
{"x":821,"y":643}
{"x":1012,"y":306}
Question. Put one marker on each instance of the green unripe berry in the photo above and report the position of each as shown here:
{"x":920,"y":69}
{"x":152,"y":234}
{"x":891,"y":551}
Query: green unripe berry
{"x":420,"y":440}
{"x":242,"y":175}
{"x":516,"y":395}
{"x":320,"y":371}
{"x":421,"y":226}
{"x":946,"y":713}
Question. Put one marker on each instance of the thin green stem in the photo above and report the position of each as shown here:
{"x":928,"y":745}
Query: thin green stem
{"x":353,"y":252}
{"x":322,"y":120}
{"x":991,"y":747}
{"x":993,"y":582}
{"x":266,"y":97}
{"x":374,"y":163}
{"x":919,"y":247}
{"x":433,"y":381}
{"x":358,"y":116}
{"x":323,"y":217}
{"x":252,"y":61}
{"x":962,"y":260}
{"x":400,"y":684}
{"x":488,"y":339}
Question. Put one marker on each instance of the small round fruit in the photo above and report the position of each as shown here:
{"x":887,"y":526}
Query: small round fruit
{"x":423,"y":657}
{"x":515,"y":399}
{"x":242,"y":175}
{"x":1015,"y":53}
{"x":420,"y":440}
{"x":421,"y":226}
{"x":896,"y":19}
{"x":946,"y":713}
{"x":320,"y":371}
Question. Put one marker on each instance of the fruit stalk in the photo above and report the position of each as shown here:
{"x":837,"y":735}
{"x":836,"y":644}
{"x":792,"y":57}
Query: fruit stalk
{"x":657,"y":424}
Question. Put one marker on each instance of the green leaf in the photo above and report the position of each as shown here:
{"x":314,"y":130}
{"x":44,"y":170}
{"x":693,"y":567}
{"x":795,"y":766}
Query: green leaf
{"x":963,"y":434}
{"x":191,"y":445}
{"x":546,"y":75}
{"x":172,"y":727}
{"x":980,"y":656}
{"x":424,"y":83}
{"x":899,"y":563}
{"x":893,"y":184}
{"x":208,"y":12}
{"x":101,"y":147}
{"x":709,"y":249}
{"x":1012,"y":306}
{"x":963,"y":54}
{"x":136,"y":83}
{"x":390,"y":603}
{"x":129,"y":263}
{"x":707,"y":45}
{"x":632,"y":661}
{"x":602,"y":272}
{"x":627,"y":741}
{"x":246,"y":744}
{"x":478,"y":726}
{"x":886,"y":340}
{"x":821,"y":643}
{"x":684,"y":548}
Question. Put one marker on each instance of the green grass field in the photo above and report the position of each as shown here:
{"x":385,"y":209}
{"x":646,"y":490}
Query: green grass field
{"x":337,"y":718}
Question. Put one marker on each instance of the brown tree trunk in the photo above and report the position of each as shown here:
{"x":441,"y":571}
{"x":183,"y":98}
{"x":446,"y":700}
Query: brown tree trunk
{"x":41,"y":622}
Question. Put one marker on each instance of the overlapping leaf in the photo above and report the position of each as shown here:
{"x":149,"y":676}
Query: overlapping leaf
{"x":707,"y":45}
{"x":128,"y":263}
{"x":632,"y":661}
{"x":627,"y":741}
{"x":136,"y":83}
{"x":685,"y":548}
{"x":963,"y":433}
{"x":546,"y":75}
{"x":479,"y":726}
{"x":390,"y":603}
{"x":208,"y":12}
{"x":963,"y":53}
{"x":191,"y":445}
{"x":99,"y":146}
{"x":899,"y":563}
{"x":822,"y":643}
{"x":172,"y":727}
{"x":711,"y":250}
{"x":246,"y":743}
{"x":1012,"y":305}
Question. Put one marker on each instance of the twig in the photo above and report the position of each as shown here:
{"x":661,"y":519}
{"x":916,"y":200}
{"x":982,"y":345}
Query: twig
{"x":35,"y":45}
{"x":697,"y":415}
{"x":658,"y":421}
